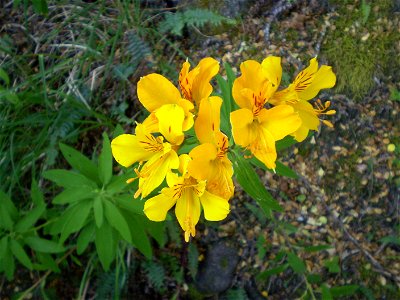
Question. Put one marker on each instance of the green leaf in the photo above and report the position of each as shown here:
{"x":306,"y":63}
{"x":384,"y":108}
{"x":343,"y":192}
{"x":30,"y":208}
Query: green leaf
{"x":36,"y":194}
{"x":274,"y":271}
{"x":3,"y":246}
{"x":20,"y":254}
{"x":105,"y":245}
{"x":390,"y":239}
{"x":286,"y":142}
{"x":105,"y":161}
{"x":333,"y":265}
{"x":326,"y":293}
{"x":296,"y":263}
{"x":127,"y":202}
{"x":80,"y":162}
{"x":30,"y":219}
{"x":4,"y":76}
{"x":118,"y":183}
{"x":69,"y":179}
{"x":40,"y":6}
{"x":117,"y":220}
{"x":75,"y":218}
{"x":259,"y":214}
{"x":251,"y":184}
{"x":74,"y":194}
{"x":47,"y":263}
{"x":8,"y":211}
{"x":317,"y":248}
{"x":343,"y":291}
{"x":281,"y":169}
{"x":42,"y":245}
{"x":157,"y":231}
{"x":98,"y":211}
{"x":139,"y":237}
{"x":85,"y":237}
{"x":226,"y":104}
{"x":8,"y":264}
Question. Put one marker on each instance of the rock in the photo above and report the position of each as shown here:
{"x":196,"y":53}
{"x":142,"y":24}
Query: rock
{"x":217,"y":271}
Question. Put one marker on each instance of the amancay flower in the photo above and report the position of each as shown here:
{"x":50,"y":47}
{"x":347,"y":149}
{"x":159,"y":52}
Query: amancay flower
{"x":170,"y":111}
{"x":160,"y":158}
{"x":253,"y":126}
{"x":209,"y":160}
{"x":188,"y":194}
{"x":305,"y":87}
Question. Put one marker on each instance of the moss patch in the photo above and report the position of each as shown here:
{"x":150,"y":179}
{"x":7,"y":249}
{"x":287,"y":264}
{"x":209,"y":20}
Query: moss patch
{"x":363,"y":44}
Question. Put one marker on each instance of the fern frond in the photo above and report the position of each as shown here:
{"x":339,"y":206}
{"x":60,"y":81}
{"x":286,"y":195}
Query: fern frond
{"x":175,"y":22}
{"x":155,"y":274}
{"x":136,"y":48}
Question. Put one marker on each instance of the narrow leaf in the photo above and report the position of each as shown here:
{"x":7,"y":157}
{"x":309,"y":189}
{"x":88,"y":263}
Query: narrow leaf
{"x":345,"y":290}
{"x":4,"y":76}
{"x":30,"y":219}
{"x":68,"y":179}
{"x":8,"y":264}
{"x":44,"y":246}
{"x":85,"y":237}
{"x":75,"y":219}
{"x":105,"y":161}
{"x":139,"y":237}
{"x":36,"y":194}
{"x":80,"y":162}
{"x":3,"y":246}
{"x":74,"y":194}
{"x":98,"y":211}
{"x":117,"y":220}
{"x":20,"y":254}
{"x":105,"y":245}
{"x":317,"y":248}
{"x":296,"y":263}
{"x":274,"y":271}
{"x":250,"y":182}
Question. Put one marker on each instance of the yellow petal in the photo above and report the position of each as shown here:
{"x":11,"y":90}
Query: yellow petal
{"x":272,"y":69}
{"x":309,"y":119}
{"x":155,"y":90}
{"x":288,"y":95}
{"x":208,"y":119}
{"x":323,"y":79}
{"x":201,"y":87}
{"x":264,"y":148}
{"x":170,"y":118}
{"x":220,"y":182}
{"x":242,"y":127}
{"x":156,"y":208}
{"x":154,"y":172}
{"x":127,"y":150}
{"x":201,"y":166}
{"x":215,"y":208}
{"x":280,"y":121}
{"x":306,"y":76}
{"x":187,"y":211}
{"x":151,"y":123}
{"x":184,"y":160}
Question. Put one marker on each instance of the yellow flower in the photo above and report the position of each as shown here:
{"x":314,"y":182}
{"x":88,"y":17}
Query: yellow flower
{"x":305,"y":87}
{"x":128,"y":149}
{"x":195,"y":84}
{"x":253,"y":126}
{"x":171,"y":112}
{"x":209,"y":160}
{"x":188,"y":194}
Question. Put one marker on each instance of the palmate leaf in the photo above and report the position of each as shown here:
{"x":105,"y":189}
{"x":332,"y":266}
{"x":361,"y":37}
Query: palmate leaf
{"x":251,"y":184}
{"x":69,"y":179}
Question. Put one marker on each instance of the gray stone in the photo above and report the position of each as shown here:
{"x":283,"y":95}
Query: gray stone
{"x":217,"y":271}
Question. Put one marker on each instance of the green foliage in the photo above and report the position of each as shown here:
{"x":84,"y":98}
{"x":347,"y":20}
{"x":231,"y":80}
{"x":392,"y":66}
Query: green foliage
{"x":193,"y":259}
{"x":98,"y":207}
{"x":175,"y":22}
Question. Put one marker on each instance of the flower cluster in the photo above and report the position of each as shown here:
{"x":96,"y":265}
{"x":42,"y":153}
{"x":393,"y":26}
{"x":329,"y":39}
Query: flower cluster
{"x":202,"y":178}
